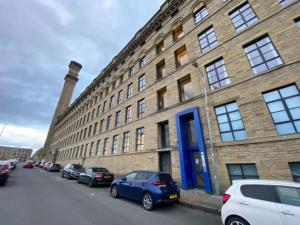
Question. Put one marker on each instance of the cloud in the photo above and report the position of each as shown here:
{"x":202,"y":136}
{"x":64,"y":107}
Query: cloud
{"x":38,"y":40}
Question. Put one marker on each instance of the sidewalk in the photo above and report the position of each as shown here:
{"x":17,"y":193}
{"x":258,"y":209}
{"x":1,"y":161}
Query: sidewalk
{"x":199,"y":199}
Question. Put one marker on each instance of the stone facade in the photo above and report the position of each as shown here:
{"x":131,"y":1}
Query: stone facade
{"x":7,"y":152}
{"x":270,"y":152}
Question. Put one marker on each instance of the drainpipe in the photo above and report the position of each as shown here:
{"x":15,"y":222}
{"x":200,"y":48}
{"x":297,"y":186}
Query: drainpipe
{"x":216,"y":177}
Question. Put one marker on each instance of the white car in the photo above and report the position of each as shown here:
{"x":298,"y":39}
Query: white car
{"x":261,"y":202}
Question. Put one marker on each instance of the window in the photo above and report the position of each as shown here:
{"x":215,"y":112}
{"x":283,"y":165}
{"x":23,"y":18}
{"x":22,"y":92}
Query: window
{"x":85,"y":150}
{"x":128,"y":114}
{"x":101,"y":125}
{"x":88,"y":116}
{"x":95,"y":128}
{"x":242,"y":171}
{"x":160,"y":47}
{"x":106,"y":91}
{"x":217,"y":74}
{"x":91,"y":149}
{"x":243,"y":17}
{"x":120,"y":96}
{"x":108,"y":125}
{"x":162,"y":98}
{"x":115,"y":144}
{"x":295,"y":170}
{"x":161,"y":69}
{"x":113,"y":85}
{"x":141,"y":108}
{"x":230,"y":122}
{"x":98,"y":110}
{"x":200,"y":14}
{"x":118,"y":119}
{"x":164,"y":134}
{"x":262,"y":55}
{"x":185,"y":88}
{"x":93,"y":113}
{"x":98,"y":148}
{"x":297,"y":21}
{"x":131,"y":71}
{"x":289,"y":195}
{"x":90,"y":130}
{"x":142,"y":62}
{"x":130,"y":90}
{"x":284,"y":106}
{"x":140,"y":139}
{"x":260,"y":192}
{"x":112,"y":101}
{"x":121,"y":78}
{"x":285,"y":2}
{"x":208,"y":39}
{"x":105,"y":146}
{"x":126,"y":141}
{"x":104,"y":106}
{"x":181,"y":56}
{"x":142,"y":82}
{"x":178,"y":32}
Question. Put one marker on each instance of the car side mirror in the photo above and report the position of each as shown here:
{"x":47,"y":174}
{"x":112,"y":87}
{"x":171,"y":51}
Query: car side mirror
{"x":124,"y":178}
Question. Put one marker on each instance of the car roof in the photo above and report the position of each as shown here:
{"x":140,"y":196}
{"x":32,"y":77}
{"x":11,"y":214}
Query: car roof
{"x":149,"y":171}
{"x":266,"y":182}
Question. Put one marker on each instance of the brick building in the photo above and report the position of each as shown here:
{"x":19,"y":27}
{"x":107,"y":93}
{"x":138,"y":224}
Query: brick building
{"x":147,"y":108}
{"x":7,"y":152}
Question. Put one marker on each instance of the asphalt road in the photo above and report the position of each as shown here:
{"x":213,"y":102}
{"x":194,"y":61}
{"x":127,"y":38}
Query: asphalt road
{"x":36,"y":197}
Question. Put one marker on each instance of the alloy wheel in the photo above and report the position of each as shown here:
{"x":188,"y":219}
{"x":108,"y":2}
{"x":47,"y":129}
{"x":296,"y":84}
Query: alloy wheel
{"x":236,"y":223}
{"x":147,"y":201}
{"x":114,"y":192}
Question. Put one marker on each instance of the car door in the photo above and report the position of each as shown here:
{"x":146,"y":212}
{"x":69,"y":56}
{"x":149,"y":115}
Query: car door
{"x":124,"y":186}
{"x":258,"y":204}
{"x":137,"y":186}
{"x":83,"y":176}
{"x":289,"y":205}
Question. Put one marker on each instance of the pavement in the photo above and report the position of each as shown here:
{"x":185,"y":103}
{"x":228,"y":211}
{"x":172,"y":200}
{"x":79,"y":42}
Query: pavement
{"x":36,"y":197}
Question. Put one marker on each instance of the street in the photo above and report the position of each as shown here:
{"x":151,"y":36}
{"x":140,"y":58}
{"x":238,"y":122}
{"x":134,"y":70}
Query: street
{"x":36,"y":197}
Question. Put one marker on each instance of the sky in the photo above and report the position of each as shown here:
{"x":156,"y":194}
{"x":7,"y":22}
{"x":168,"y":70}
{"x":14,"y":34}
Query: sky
{"x":38,"y":40}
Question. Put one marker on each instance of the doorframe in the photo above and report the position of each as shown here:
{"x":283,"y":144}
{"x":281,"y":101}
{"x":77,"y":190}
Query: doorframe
{"x":194,"y":111}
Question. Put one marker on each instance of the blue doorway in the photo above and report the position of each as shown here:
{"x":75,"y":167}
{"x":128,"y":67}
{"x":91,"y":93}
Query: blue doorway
{"x":192,"y":152}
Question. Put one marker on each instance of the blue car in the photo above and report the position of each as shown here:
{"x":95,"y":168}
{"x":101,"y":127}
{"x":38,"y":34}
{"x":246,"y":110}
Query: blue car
{"x":150,"y":188}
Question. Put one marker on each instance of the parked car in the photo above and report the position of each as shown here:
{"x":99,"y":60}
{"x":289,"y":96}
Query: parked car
{"x":150,"y":188}
{"x":3,"y":175}
{"x":37,"y":163}
{"x":28,"y":164}
{"x":71,"y":171}
{"x":95,"y":176}
{"x":46,"y":165}
{"x":6,"y":166}
{"x":257,"y":202}
{"x":53,"y":167}
{"x":42,"y":164}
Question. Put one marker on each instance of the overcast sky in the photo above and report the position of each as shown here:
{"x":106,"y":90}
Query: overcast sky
{"x":38,"y":40}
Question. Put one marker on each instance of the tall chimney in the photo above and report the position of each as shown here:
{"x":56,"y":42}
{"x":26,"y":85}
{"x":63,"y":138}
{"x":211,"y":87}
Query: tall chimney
{"x":64,"y":101}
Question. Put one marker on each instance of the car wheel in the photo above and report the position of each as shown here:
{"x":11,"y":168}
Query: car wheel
{"x":68,"y":176}
{"x":91,"y":183}
{"x":62,"y":175}
{"x":148,"y":201}
{"x":114,"y":191}
{"x":78,"y":180}
{"x":236,"y":221}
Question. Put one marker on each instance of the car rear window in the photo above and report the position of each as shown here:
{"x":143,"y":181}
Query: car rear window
{"x":289,"y":195}
{"x":99,"y":170}
{"x":260,"y":192}
{"x":165,"y":178}
{"x":56,"y":164}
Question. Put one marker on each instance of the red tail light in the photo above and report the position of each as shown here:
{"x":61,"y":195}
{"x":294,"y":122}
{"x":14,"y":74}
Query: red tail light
{"x":158,"y":184}
{"x":99,"y":175}
{"x":226,"y":197}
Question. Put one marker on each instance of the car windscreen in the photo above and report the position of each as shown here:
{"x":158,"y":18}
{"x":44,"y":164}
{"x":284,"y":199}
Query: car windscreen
{"x":77,"y":167}
{"x":99,"y":170}
{"x":165,"y":178}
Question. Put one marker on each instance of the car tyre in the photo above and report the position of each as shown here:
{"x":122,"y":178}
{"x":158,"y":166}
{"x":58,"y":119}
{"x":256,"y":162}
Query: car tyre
{"x":235,"y":220}
{"x":148,"y":203}
{"x":78,"y":181}
{"x":114,"y":191}
{"x":68,"y":176}
{"x":91,"y":183}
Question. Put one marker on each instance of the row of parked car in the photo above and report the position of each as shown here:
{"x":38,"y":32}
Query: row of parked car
{"x":148,"y":187}
{"x":5,"y":169}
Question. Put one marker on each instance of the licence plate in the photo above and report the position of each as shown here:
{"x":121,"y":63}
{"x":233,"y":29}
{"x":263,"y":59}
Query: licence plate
{"x":173,"y":196}
{"x":107,"y":176}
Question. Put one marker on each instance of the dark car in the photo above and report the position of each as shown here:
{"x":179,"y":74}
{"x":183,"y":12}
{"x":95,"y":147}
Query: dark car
{"x":28,"y":165}
{"x":95,"y":176}
{"x":71,"y":171}
{"x":53,"y":167}
{"x":150,"y":188}
{"x":3,"y":175}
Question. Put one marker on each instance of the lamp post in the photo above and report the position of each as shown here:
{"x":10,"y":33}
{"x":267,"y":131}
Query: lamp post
{"x":2,"y":129}
{"x":216,"y":177}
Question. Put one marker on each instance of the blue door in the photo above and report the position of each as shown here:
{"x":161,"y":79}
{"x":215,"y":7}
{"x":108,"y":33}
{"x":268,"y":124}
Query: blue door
{"x":192,"y":152}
